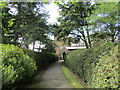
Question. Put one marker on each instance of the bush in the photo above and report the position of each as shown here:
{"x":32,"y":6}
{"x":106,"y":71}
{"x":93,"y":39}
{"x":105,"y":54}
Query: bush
{"x":98,"y":66}
{"x":42,"y":58}
{"x":16,"y":66}
{"x":45,"y":58}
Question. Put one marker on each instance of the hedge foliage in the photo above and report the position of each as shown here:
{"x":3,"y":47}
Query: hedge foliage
{"x":19,"y":65}
{"x":16,"y":66}
{"x":97,"y":66}
{"x":42,"y":58}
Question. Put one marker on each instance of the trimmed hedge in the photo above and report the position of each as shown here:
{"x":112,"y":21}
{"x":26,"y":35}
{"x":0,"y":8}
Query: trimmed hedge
{"x":97,"y":66}
{"x":42,"y":58}
{"x":16,"y":66}
{"x":19,"y":65}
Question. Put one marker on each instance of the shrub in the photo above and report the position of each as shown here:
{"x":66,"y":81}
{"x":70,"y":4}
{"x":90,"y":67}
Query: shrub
{"x":16,"y":66}
{"x":42,"y":58}
{"x":98,"y":66}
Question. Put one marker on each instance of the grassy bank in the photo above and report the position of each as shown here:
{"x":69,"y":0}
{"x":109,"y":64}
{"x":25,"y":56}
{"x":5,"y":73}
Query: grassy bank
{"x":73,"y":79}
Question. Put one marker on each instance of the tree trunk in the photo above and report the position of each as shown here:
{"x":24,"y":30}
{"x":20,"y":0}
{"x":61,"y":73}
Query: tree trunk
{"x":33,"y":45}
{"x":86,"y":44}
{"x":89,"y":41}
{"x":113,"y":39}
{"x":112,"y":29}
{"x":39,"y":47}
{"x":27,"y":46}
{"x":85,"y":41}
{"x":15,"y":38}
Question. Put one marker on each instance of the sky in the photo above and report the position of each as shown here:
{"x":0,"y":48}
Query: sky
{"x":53,"y":12}
{"x":52,"y":8}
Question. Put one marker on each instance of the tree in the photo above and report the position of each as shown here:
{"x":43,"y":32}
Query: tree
{"x":27,"y":22}
{"x":74,"y":20}
{"x":49,"y":46}
{"x":84,"y":20}
{"x":7,"y":24}
{"x":106,"y":15}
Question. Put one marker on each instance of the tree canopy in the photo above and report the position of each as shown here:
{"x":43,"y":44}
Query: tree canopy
{"x":89,"y":22}
{"x":24,"y":23}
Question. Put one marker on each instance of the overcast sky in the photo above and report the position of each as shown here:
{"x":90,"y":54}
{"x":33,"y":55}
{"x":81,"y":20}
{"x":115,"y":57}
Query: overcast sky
{"x":52,"y":8}
{"x":53,"y":12}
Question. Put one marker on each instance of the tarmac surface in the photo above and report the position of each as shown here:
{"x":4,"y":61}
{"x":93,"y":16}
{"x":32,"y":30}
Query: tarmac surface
{"x":53,"y":77}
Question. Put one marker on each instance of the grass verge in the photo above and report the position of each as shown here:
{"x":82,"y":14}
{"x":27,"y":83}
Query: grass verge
{"x":72,"y":78}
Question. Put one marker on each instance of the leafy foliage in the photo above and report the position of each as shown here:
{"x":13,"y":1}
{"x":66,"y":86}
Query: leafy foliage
{"x":98,"y":66}
{"x":25,"y":24}
{"x":19,"y":65}
{"x":74,"y":20}
{"x":106,"y":15}
{"x":82,"y":19}
{"x":42,"y":58}
{"x":50,"y":46}
{"x":16,"y":66}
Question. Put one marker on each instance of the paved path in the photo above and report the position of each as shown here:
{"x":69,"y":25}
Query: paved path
{"x":53,"y":77}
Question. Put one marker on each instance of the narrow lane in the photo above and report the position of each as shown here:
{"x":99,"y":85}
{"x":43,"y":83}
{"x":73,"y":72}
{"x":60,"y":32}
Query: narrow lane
{"x":53,"y":77}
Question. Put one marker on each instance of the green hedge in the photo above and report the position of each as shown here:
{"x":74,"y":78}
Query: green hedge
{"x":16,"y":66}
{"x":19,"y":65}
{"x":98,"y":66}
{"x":42,"y":58}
